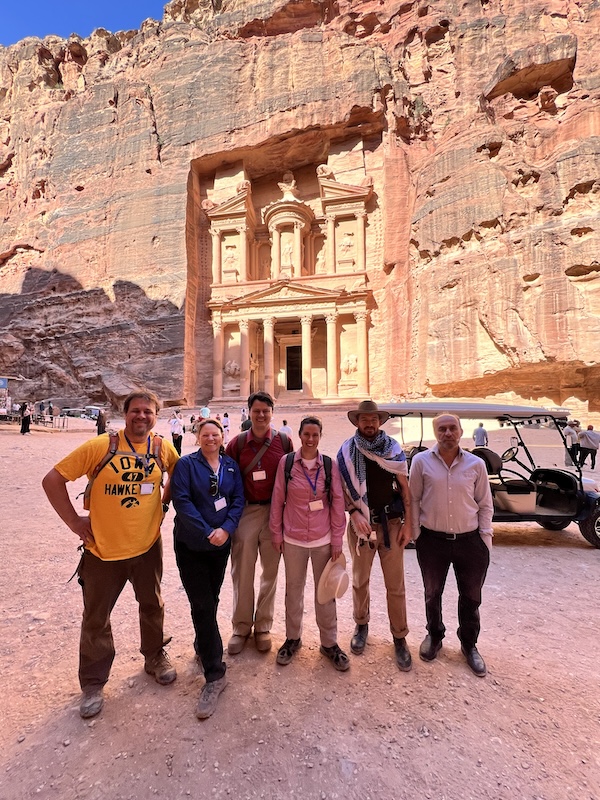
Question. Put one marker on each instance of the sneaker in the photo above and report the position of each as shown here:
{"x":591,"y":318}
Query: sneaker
{"x":209,"y":696}
{"x":287,"y":650}
{"x":160,"y":666}
{"x":92,"y":701}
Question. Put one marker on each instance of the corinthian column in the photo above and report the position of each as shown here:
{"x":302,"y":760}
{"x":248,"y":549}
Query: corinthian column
{"x":306,"y":321}
{"x":362,"y":346}
{"x":268,"y":327}
{"x":244,"y":359}
{"x":216,"y":256}
{"x":330,"y":254}
{"x":243,"y":254}
{"x":361,"y":221}
{"x":297,"y":249}
{"x":332,"y":354}
{"x":217,"y":327}
{"x":275,"y":253}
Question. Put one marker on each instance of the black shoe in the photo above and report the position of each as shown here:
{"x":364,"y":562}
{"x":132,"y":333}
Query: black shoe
{"x":429,"y":648}
{"x":359,"y":640}
{"x":475,"y":661}
{"x":403,"y":657}
{"x":287,"y":650}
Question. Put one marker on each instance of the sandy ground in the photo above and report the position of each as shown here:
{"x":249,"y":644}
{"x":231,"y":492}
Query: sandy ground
{"x":529,"y":730}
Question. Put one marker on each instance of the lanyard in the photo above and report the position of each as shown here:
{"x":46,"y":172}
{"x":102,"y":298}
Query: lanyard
{"x":138,"y":460}
{"x":307,"y":476}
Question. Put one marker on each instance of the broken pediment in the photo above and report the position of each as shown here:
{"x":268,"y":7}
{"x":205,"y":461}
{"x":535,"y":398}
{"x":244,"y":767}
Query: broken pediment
{"x":237,"y":208}
{"x":333,"y":192}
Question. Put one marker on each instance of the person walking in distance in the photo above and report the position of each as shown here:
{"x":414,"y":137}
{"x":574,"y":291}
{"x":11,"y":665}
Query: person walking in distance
{"x":452,"y":525}
{"x":121,"y":539}
{"x":373,"y":469}
{"x":257,"y":452}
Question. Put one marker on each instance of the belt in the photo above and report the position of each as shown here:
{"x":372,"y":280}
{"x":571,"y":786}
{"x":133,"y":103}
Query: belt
{"x":258,"y":502}
{"x":449,"y":537}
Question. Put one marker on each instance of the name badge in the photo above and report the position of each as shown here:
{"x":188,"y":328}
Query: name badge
{"x":316,"y":505}
{"x":259,"y":475}
{"x":220,"y":503}
{"x":146,"y":488}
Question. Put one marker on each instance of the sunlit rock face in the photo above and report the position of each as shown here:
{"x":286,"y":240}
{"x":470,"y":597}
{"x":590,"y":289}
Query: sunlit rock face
{"x":477,"y":122}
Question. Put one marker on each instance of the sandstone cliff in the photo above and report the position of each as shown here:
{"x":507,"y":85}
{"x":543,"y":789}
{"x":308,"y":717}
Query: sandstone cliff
{"x":480,"y":120}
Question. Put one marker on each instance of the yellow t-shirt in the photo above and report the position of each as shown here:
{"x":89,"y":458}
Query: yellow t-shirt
{"x":125,"y":501}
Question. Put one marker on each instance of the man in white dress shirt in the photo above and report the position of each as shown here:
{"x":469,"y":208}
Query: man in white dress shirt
{"x":452,"y":525}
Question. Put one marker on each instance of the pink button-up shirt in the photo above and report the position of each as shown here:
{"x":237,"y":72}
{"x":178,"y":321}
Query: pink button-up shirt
{"x":292,"y":514}
{"x":452,"y":499}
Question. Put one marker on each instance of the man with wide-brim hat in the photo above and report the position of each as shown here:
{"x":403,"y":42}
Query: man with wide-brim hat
{"x":374,"y":476}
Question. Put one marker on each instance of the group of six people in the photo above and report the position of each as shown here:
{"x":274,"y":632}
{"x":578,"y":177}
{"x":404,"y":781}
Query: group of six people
{"x":258,"y":498}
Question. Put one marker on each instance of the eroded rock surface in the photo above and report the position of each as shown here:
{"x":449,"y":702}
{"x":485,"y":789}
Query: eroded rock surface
{"x":479,"y":121}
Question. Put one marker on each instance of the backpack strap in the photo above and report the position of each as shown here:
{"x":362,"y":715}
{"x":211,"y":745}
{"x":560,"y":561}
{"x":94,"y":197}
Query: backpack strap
{"x":286,"y":442}
{"x":287,"y":470}
{"x":113,"y":446}
{"x":327,"y":469}
{"x":240,"y":441}
{"x":156,"y":450}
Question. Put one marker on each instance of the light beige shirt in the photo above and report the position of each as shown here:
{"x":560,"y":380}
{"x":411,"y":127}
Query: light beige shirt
{"x":455,"y":499}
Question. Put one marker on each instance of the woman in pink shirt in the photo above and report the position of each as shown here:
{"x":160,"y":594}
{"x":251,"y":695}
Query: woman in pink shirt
{"x":308,"y":521}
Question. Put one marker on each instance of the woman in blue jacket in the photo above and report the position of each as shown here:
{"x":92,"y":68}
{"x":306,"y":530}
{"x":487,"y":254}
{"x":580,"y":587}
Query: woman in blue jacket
{"x":208,"y":496}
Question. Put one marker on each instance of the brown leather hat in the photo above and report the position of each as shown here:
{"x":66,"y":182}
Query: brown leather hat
{"x":367,"y":407}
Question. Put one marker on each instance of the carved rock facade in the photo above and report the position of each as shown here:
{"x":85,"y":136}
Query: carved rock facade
{"x":386,"y":198}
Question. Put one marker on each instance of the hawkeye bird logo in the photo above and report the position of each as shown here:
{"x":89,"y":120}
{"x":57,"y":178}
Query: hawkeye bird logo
{"x":130,"y":502}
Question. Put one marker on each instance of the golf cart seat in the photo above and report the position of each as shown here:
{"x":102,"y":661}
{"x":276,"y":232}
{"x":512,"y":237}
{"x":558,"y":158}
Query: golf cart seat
{"x":557,"y":490}
{"x":509,"y":494}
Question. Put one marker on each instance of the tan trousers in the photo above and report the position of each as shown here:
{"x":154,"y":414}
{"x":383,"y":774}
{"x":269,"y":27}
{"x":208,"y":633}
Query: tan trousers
{"x":296,"y":564}
{"x":252,"y":537}
{"x":392,"y":566}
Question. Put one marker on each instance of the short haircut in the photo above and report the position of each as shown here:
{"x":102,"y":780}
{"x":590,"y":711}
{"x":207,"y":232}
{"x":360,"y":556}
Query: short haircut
{"x":435,"y":420}
{"x":208,"y":421}
{"x":285,"y":421}
{"x":262,"y":397}
{"x":311,"y":421}
{"x":143,"y":394}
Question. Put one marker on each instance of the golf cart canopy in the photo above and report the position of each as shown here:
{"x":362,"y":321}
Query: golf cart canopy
{"x":498,"y":411}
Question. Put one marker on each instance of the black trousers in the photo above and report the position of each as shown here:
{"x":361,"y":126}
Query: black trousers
{"x":202,"y":573}
{"x":177,"y":441}
{"x":584,"y":452}
{"x":470,"y":559}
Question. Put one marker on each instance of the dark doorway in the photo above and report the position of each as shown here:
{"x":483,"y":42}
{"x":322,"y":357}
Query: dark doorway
{"x":293,"y":367}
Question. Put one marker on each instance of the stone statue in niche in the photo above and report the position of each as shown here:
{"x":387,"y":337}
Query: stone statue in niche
{"x":232,"y":369}
{"x":347,"y":243}
{"x":349,"y":364}
{"x":245,"y":184}
{"x":287,"y":255}
{"x":230,"y":263}
{"x":320,"y":262}
{"x":288,"y":186}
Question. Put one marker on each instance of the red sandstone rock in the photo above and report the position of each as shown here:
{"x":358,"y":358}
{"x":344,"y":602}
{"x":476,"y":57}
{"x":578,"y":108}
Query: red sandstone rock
{"x":479,"y":123}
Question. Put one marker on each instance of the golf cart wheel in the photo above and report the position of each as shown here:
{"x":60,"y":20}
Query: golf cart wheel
{"x":590,"y":528}
{"x":555,"y":524}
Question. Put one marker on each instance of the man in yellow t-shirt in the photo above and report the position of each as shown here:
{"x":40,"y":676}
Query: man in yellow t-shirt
{"x":121,"y":537}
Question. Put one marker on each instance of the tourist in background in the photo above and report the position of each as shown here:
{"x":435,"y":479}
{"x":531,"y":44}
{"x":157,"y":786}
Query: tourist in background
{"x":208,"y":497}
{"x":480,"y":436}
{"x":589,"y":441}
{"x":176,"y":426}
{"x":25,"y":413}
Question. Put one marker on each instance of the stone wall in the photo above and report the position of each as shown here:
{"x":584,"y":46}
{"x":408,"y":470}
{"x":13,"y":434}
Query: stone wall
{"x":478,"y":120}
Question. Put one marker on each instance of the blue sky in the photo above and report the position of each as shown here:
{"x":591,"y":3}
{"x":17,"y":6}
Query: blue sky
{"x":21,"y":18}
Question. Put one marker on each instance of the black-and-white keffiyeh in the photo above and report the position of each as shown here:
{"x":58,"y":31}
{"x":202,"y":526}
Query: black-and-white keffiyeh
{"x":384,"y":450}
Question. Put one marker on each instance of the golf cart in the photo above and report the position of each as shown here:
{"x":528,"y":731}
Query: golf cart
{"x":524,"y":489}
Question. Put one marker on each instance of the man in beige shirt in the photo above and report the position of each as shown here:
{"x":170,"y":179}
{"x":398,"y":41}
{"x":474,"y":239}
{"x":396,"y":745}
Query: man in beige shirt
{"x":452,"y":525}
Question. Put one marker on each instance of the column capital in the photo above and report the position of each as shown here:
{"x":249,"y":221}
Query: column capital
{"x":361,"y":214}
{"x":215,"y":233}
{"x":331,"y":317}
{"x":217,"y":325}
{"x":269,"y":322}
{"x":361,"y":316}
{"x":244,"y":325}
{"x":306,"y":319}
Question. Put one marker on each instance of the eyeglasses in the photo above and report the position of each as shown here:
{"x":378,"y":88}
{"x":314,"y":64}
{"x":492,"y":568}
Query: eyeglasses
{"x":213,"y":486}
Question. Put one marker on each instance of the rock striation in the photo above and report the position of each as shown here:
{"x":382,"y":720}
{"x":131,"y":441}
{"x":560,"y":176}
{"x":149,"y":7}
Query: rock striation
{"x":478,"y":120}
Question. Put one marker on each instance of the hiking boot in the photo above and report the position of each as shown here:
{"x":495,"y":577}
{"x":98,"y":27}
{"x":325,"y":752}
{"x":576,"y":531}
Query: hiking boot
{"x":262,"y":641}
{"x":237,"y":643}
{"x":287,"y":650}
{"x":160,"y":666}
{"x":403,"y":657}
{"x":209,"y":696}
{"x":359,"y":640}
{"x":92,"y":701}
